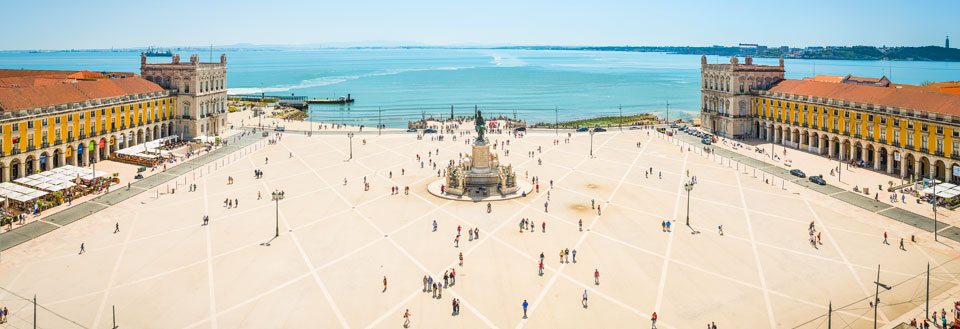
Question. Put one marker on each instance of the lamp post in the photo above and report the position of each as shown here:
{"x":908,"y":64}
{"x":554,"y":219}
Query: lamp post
{"x":876,"y":297}
{"x":688,"y":186}
{"x":276,"y":196}
{"x":591,"y":142}
{"x":350,"y":137}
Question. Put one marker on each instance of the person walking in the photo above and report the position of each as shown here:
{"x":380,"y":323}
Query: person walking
{"x":116,"y":228}
{"x":653,"y":320}
{"x":434,"y":225}
{"x":885,"y":238}
{"x":584,"y":301}
{"x":525,"y":305}
{"x":384,"y":283}
{"x":581,"y":224}
{"x":720,"y":229}
{"x":461,"y":259}
{"x":82,"y":249}
{"x":596,"y":277}
{"x":574,"y":256}
{"x":540,"y":268}
{"x":901,"y":245}
{"x":406,"y":318}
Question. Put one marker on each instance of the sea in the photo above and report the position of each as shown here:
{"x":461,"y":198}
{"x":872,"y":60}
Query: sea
{"x":394,"y":86}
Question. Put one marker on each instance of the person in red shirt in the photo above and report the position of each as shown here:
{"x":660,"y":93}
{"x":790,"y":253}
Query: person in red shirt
{"x":596,"y":277}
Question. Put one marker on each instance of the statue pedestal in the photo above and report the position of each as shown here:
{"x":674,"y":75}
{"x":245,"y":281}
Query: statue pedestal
{"x":480,"y":158}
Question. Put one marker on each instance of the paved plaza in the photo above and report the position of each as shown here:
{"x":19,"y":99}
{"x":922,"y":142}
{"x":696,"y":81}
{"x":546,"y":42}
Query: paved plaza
{"x":337,"y":243}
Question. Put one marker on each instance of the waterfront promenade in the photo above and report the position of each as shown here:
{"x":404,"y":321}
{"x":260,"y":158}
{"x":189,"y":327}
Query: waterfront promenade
{"x":337,"y":242}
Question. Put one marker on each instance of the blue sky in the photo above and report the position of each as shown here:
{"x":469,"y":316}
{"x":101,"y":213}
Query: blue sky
{"x":63,"y":24}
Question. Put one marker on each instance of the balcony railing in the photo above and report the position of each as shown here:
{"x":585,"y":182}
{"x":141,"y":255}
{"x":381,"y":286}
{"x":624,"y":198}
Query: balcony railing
{"x":938,"y":153}
{"x":15,"y":150}
{"x":883,"y":140}
{"x":31,"y":147}
{"x":924,"y":150}
{"x":896,"y":143}
{"x":955,"y":155}
{"x":57,"y":141}
{"x":44,"y":144}
{"x":834,"y":130}
{"x":857,"y":136}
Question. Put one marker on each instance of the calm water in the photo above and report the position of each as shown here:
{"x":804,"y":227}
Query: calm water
{"x":406,"y":84}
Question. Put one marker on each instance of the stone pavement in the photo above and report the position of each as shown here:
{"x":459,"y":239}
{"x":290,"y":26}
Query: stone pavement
{"x":907,"y":217}
{"x":35,"y":229}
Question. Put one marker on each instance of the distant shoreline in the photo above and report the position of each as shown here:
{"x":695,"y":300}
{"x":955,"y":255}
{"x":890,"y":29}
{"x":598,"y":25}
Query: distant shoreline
{"x":860,"y":53}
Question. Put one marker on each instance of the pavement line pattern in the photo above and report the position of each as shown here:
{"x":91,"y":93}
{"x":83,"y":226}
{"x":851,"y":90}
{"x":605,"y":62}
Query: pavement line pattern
{"x":898,"y":214}
{"x":35,"y":229}
{"x":209,"y":243}
{"x":756,"y":255}
{"x":666,"y":260}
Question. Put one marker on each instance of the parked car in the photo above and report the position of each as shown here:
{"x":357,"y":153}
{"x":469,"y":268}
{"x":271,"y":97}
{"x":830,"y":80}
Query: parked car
{"x":798,"y":173}
{"x":599,"y":130}
{"x":279,"y":128}
{"x":412,"y":130}
{"x":818,"y":180}
{"x":634,"y":127}
{"x":705,"y":141}
{"x":582,"y":129}
{"x":429,"y":131}
{"x":520,"y":129}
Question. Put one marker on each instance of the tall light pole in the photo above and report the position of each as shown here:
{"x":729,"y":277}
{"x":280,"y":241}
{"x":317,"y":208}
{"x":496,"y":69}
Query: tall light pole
{"x":350,"y":137}
{"x":688,"y":187}
{"x":276,"y":196}
{"x":556,"y":125}
{"x":934,"y":201}
{"x":876,"y":296}
{"x":591,"y":142}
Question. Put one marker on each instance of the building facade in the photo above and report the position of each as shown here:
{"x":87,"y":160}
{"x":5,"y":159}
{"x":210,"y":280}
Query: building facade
{"x":200,"y":90}
{"x":726,"y":91}
{"x":903,"y":130}
{"x":52,"y":118}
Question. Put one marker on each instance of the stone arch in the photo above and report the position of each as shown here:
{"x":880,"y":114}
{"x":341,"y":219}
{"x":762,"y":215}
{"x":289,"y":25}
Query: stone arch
{"x":16,"y":168}
{"x":102,"y":151}
{"x":113,"y":144}
{"x":869,"y":156}
{"x":57,"y":160}
{"x":924,"y":167}
{"x":29,"y":165}
{"x":909,"y":163}
{"x":139,"y":137}
{"x":940,"y":170}
{"x":857,"y":151}
{"x":954,"y":178}
{"x":44,"y":161}
{"x":81,"y":154}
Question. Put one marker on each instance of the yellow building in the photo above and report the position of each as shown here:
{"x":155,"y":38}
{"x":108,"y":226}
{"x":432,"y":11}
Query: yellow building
{"x":903,"y":130}
{"x":52,"y":118}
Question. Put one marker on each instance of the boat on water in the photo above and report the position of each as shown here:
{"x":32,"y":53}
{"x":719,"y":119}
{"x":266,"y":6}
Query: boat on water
{"x":338,"y":100}
{"x":157,"y":52}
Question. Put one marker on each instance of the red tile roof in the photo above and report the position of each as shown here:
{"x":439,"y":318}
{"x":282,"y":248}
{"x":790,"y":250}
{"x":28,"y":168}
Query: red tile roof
{"x":908,"y":98}
{"x":47,"y":92}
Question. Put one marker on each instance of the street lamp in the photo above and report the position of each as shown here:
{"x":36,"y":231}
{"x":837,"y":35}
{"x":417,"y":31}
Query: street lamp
{"x":688,"y":186}
{"x":276,"y":196}
{"x":591,"y":142}
{"x":350,"y":137}
{"x":876,"y":296}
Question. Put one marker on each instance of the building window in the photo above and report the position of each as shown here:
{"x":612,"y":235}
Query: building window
{"x":883,"y":134}
{"x":956,"y":147}
{"x":940,"y":145}
{"x":939,"y":130}
{"x":896,"y":136}
{"x":924,"y":141}
{"x":30,"y":124}
{"x":923,"y":127}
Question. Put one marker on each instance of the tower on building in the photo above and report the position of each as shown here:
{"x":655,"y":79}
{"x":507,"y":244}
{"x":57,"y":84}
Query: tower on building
{"x":946,"y":44}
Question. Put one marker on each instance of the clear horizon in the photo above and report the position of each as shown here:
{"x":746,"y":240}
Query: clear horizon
{"x":495,"y":22}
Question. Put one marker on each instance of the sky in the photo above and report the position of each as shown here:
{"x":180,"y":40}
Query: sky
{"x":71,"y":24}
